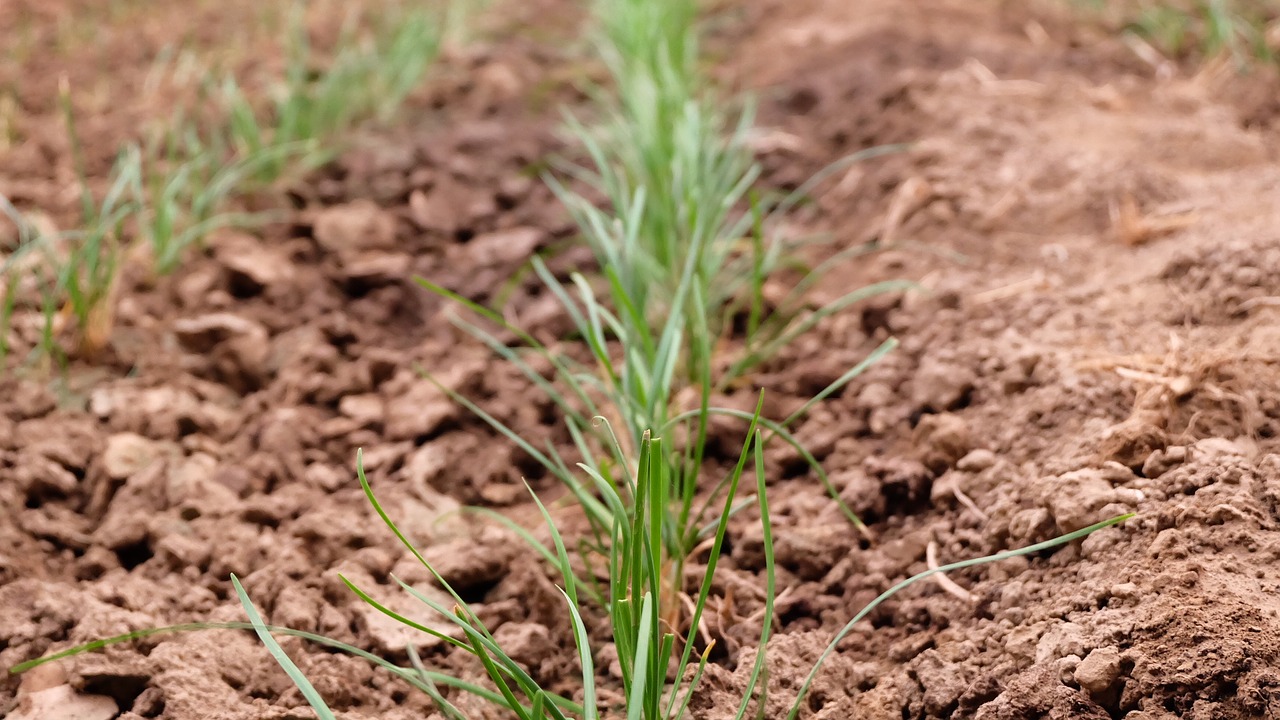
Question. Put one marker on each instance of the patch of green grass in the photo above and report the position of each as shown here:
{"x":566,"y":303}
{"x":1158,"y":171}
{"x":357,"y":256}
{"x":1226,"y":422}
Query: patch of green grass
{"x":188,"y":188}
{"x":684,"y":246}
{"x":1211,"y":28}
{"x":1246,"y":30}
{"x":648,"y":646}
{"x":369,"y":76}
{"x":170,"y":192}
{"x":679,"y":176}
{"x":70,"y":277}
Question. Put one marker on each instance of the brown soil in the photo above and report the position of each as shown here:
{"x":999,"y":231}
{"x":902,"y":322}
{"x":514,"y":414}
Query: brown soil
{"x":1098,"y":254}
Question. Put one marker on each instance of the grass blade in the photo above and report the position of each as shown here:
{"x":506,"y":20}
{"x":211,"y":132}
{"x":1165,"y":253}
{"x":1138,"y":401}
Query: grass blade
{"x":1046,"y":545}
{"x":640,"y":681}
{"x":308,"y":690}
{"x":766,"y":526}
{"x":885,"y":348}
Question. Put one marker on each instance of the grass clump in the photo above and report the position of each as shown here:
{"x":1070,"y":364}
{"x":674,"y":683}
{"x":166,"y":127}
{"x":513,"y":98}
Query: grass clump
{"x":1238,"y":28}
{"x":70,"y":278}
{"x":166,"y":195}
{"x":684,"y":248}
{"x":369,"y":76}
{"x":682,"y":228}
{"x":1246,"y":31}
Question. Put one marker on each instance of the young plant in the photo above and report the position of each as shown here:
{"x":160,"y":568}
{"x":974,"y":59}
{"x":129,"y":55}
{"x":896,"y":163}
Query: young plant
{"x":1245,"y":30}
{"x":88,"y":274}
{"x":632,"y":382}
{"x":649,"y":649}
{"x":187,"y":192}
{"x":171,"y":193}
{"x":70,"y":278}
{"x":683,"y":251}
{"x":677,"y":169}
{"x":367,"y":78}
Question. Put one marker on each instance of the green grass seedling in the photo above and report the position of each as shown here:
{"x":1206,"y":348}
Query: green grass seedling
{"x":684,"y":248}
{"x":87,"y":276}
{"x":187,"y":194}
{"x":71,"y":277}
{"x":648,"y":647}
{"x":1211,"y":27}
{"x":677,"y":170}
{"x":623,"y":388}
{"x":368,"y":77}
{"x":1244,"y":30}
{"x":172,"y":192}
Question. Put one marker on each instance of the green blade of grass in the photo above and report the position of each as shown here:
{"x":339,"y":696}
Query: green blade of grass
{"x":299,"y":679}
{"x":781,"y":432}
{"x":403,"y":620}
{"x":766,"y":627}
{"x":885,"y":348}
{"x":583,"y":642}
{"x":497,"y":676}
{"x":722,"y":527}
{"x":1046,"y":545}
{"x":640,"y":682}
{"x":561,"y":557}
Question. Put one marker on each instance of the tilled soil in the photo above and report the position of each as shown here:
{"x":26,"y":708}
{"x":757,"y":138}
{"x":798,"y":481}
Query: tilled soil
{"x":1097,"y":252}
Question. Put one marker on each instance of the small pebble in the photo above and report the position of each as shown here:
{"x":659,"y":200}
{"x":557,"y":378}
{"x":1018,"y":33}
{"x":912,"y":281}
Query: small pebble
{"x":1099,"y":671}
{"x":977,"y":460}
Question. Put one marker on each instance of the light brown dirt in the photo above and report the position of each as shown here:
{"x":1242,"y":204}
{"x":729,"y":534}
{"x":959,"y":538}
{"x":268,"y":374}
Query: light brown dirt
{"x":1097,"y":252}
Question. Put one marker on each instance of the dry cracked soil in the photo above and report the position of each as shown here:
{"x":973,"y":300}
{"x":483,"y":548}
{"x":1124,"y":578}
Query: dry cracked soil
{"x":1095,"y":244}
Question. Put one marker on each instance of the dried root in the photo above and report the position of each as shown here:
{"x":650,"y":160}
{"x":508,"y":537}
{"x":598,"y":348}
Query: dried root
{"x":1171,"y":395}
